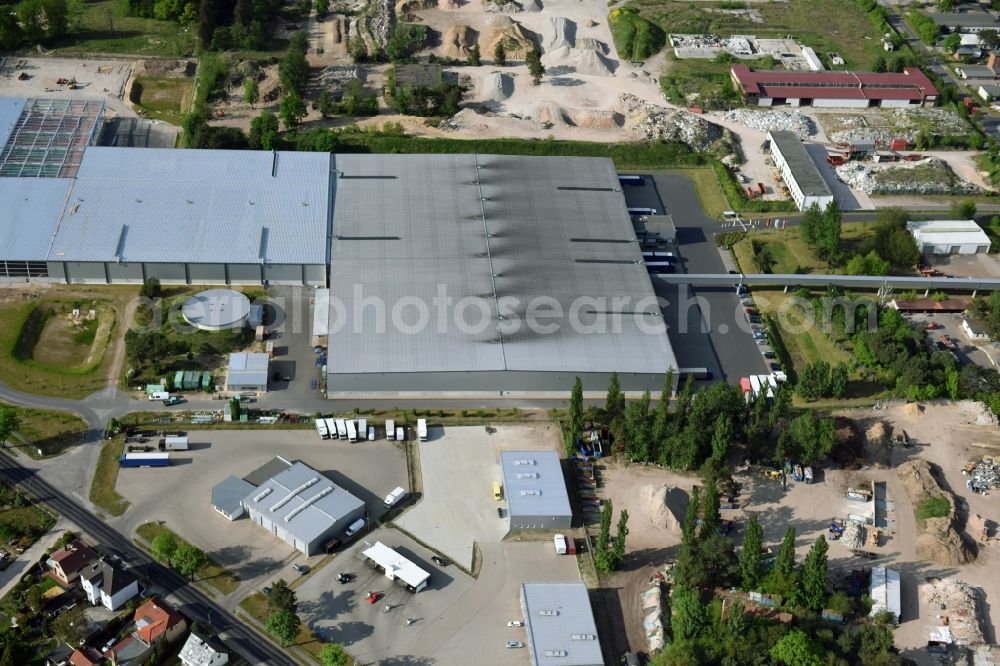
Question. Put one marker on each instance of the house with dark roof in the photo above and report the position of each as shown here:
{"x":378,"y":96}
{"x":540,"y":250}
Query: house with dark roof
{"x":107,"y":586}
{"x":67,"y":562}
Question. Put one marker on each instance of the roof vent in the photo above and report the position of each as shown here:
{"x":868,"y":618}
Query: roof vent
{"x":261,"y":495}
{"x":583,"y":637}
{"x":527,"y":475}
{"x":524,"y":461}
{"x":548,"y":613}
{"x":556,"y":653}
{"x":531,"y":492}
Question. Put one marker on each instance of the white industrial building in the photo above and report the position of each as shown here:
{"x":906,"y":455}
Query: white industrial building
{"x":885,"y":592}
{"x":560,"y":625}
{"x":396,"y":567}
{"x":303,"y":508}
{"x":535,"y":490}
{"x":949,"y":236}
{"x":798,"y":170}
{"x":247,"y":371}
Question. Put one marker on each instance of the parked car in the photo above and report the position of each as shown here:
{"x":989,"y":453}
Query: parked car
{"x":266,"y":590}
{"x":440,"y":561}
{"x":775,"y":367}
{"x":300,"y":569}
{"x":515,"y":623}
{"x":768,"y":354}
{"x":172,"y":400}
{"x":343,"y":577}
{"x":515,"y":644}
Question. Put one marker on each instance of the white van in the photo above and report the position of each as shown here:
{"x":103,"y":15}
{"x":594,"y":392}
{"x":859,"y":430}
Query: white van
{"x":390,"y":429}
{"x":400,"y":434}
{"x":422,"y":429}
{"x":159,"y":395}
{"x":355,"y":527}
{"x":394,"y":497}
{"x":371,"y":433}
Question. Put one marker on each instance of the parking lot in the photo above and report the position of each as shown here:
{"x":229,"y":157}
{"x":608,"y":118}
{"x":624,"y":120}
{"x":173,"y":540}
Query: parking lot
{"x":181,"y":494}
{"x":950,"y":324}
{"x":458,"y":466}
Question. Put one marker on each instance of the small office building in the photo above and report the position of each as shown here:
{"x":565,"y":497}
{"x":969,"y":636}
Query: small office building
{"x":949,"y":236}
{"x":535,"y":490}
{"x":303,"y":508}
{"x":560,"y":625}
{"x":247,"y":371}
{"x":798,"y":170}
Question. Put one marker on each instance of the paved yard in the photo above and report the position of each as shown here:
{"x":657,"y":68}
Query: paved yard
{"x":459,"y":466}
{"x":97,"y":78}
{"x":459,"y":620}
{"x":181,"y":494}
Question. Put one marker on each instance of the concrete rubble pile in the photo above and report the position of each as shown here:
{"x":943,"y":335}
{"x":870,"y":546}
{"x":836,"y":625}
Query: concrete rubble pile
{"x":926,"y":176}
{"x":736,"y":44}
{"x":768,"y":121}
{"x":954,"y":607}
{"x":853,"y":537}
{"x":883,"y":127}
{"x":652,"y":622}
{"x":656,"y":123}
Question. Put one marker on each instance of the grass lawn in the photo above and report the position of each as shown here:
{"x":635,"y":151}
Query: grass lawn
{"x":105,"y":28}
{"x":51,"y":431}
{"x":163,"y":98}
{"x":27,"y":519}
{"x":212,"y":573}
{"x":805,"y":343}
{"x":838,"y":26}
{"x":255,"y":606}
{"x":792,"y":254}
{"x":102,"y":486}
{"x":44,"y":350}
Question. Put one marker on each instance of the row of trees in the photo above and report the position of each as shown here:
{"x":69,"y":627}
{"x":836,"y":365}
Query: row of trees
{"x":183,"y":557}
{"x":610,"y":553}
{"x":818,"y":380}
{"x":34,"y":21}
{"x":220,"y":24}
{"x":283,"y":623}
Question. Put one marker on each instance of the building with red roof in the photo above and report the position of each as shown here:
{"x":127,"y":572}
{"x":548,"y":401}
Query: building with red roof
{"x":911,"y":87}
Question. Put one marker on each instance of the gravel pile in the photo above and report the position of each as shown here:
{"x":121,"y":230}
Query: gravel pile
{"x":767,"y":121}
{"x":737,"y":44}
{"x":897,"y":124}
{"x":928,"y":176}
{"x":655,"y":123}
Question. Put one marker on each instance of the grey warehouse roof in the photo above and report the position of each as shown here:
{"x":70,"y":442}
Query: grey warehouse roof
{"x":560,"y":624}
{"x":302,"y":501}
{"x":10,"y":111}
{"x":272,"y":467}
{"x":534,"y":484}
{"x":29,"y":215}
{"x":248,"y":369}
{"x":802,"y":165}
{"x":228,"y":495}
{"x":502,"y":231}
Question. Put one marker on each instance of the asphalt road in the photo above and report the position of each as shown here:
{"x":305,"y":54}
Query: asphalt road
{"x":192,"y":602}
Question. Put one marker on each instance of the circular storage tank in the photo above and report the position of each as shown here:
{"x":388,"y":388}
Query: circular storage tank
{"x":217,"y":310}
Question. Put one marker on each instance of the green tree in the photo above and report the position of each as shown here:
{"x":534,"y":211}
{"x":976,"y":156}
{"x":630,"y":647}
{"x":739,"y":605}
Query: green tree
{"x":964,"y":210}
{"x":322,"y":7}
{"x":814,"y":436}
{"x":603,"y":558}
{"x":251,"y":91}
{"x":326,"y":105}
{"x":618,"y":549}
{"x":292,"y":109}
{"x":164,"y":546}
{"x":263,"y":131}
{"x":946,"y":5}
{"x":9,"y":423}
{"x":500,"y":54}
{"x":333,"y":654}
{"x":839,"y":377}
{"x":282,"y":597}
{"x":684,"y":399}
{"x":284,"y":625}
{"x":722,"y":438}
{"x":796,"y":648}
{"x":828,"y":238}
{"x":11,"y":35}
{"x":293,"y":70}
{"x":34,"y":599}
{"x":879,"y":64}
{"x":535,"y":67}
{"x":9,"y":655}
{"x":614,"y":406}
{"x":151,"y":288}
{"x":575,"y":416}
{"x":751,"y":553}
{"x":661,"y":418}
{"x":712,"y":518}
{"x":688,"y":616}
{"x":475,"y":56}
{"x":990,"y":38}
{"x":811,"y":225}
{"x":188,"y":559}
{"x":812,"y":590}
{"x":636,"y":423}
{"x":70,"y":626}
{"x":814,"y":381}
{"x":784,"y":564}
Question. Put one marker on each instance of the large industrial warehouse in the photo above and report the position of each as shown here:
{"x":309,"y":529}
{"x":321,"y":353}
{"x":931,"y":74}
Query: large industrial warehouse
{"x":911,"y":87}
{"x":805,"y":182}
{"x":464,"y":275}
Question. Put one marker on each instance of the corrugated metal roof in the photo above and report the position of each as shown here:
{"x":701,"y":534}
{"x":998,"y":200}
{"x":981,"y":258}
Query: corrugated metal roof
{"x":947,"y":232}
{"x":29,"y":212}
{"x":534,"y":484}
{"x":248,"y":369}
{"x":396,"y":564}
{"x":560,"y":624}
{"x":410,"y":229}
{"x":802,"y":166}
{"x":198,"y":206}
{"x":10,"y":111}
{"x":228,"y":495}
{"x":303,"y":502}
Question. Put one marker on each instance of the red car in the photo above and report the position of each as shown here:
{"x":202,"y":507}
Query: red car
{"x":373,"y":597}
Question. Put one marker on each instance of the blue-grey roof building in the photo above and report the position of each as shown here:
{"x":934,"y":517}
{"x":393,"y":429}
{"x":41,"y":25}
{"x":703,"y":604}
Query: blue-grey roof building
{"x":535,"y":490}
{"x":560,"y":625}
{"x":303,"y":508}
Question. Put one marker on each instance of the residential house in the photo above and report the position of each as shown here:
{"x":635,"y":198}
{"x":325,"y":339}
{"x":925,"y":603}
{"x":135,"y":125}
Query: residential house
{"x":200,"y":651}
{"x":107,"y":586}
{"x":67,"y":562}
{"x":155,"y":623}
{"x":60,"y":656}
{"x":86,"y":656}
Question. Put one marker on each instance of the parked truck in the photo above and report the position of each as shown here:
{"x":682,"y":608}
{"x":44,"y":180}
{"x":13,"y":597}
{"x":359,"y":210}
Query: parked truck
{"x":174,"y":443}
{"x":422,"y":429}
{"x":321,"y":429}
{"x":394,"y":496}
{"x":144,"y":460}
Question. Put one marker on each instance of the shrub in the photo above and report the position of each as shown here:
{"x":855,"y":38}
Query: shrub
{"x":636,"y":38}
{"x":933,"y":507}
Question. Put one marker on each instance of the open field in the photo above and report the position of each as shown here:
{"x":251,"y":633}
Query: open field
{"x":163,"y":98}
{"x":102,"y":486}
{"x":791,"y":254}
{"x":805,"y":343}
{"x":52,"y":432}
{"x":212,"y":572}
{"x":843,"y":28}
{"x":105,"y":28}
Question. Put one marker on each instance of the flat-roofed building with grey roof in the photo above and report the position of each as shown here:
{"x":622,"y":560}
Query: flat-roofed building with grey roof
{"x":247,"y":371}
{"x":227,"y":497}
{"x":303,"y":508}
{"x":798,"y":170}
{"x":560,"y":625}
{"x":487,"y":275}
{"x":535,"y":490}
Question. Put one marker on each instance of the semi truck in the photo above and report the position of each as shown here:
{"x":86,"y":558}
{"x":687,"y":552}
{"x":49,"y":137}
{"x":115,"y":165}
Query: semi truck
{"x":174,"y":443}
{"x":321,"y":429}
{"x":422,"y":429}
{"x":144,"y":460}
{"x":331,"y":426}
{"x":352,"y":430}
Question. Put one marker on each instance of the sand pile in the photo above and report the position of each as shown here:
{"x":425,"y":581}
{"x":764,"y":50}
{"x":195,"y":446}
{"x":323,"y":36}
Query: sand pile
{"x":598,"y":119}
{"x":913,"y":409}
{"x":877,"y":449}
{"x":592,"y":44}
{"x":557,"y":33}
{"x":448,"y":5}
{"x":531,"y":6}
{"x":665,"y":506}
{"x":457,"y":40}
{"x":551,"y":113}
{"x":496,"y":87}
{"x":938,"y":540}
{"x":517,"y":40}
{"x":591,"y":62}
